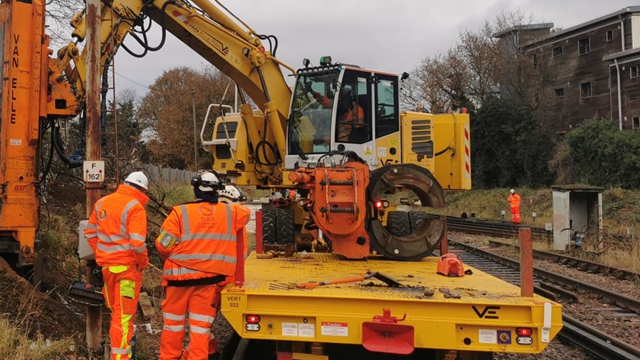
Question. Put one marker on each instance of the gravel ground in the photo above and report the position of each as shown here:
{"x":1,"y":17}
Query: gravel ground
{"x":591,"y":309}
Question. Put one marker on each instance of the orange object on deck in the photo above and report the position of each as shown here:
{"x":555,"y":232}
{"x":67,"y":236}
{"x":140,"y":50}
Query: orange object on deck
{"x":450,"y":265}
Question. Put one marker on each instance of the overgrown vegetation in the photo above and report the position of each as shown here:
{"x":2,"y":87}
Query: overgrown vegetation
{"x":602,"y":155}
{"x":16,"y":345}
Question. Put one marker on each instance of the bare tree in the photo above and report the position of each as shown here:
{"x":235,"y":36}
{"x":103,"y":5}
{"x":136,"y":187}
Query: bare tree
{"x":58,"y":14}
{"x":481,"y":64}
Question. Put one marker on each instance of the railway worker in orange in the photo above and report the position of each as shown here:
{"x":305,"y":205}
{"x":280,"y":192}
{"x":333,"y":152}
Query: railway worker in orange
{"x":233,"y":196}
{"x":514,"y":204}
{"x":116,"y":232}
{"x":198,"y":244}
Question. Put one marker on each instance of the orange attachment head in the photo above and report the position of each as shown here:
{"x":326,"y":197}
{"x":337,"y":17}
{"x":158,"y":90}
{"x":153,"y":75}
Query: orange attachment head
{"x":299,"y":177}
{"x":450,"y":265}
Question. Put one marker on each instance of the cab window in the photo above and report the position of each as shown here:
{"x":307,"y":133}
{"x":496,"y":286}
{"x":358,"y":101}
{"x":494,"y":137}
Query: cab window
{"x":353,"y":118}
{"x":387,"y":120}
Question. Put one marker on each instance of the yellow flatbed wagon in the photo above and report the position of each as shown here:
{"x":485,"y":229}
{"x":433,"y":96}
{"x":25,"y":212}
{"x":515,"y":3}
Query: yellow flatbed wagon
{"x":476,"y":313}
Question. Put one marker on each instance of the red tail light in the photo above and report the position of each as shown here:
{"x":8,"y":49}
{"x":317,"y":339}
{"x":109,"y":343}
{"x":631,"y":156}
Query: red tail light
{"x":379,"y":204}
{"x":253,"y":319}
{"x":524,"y":331}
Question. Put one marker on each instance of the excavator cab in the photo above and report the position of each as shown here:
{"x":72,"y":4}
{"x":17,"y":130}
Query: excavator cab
{"x":331,"y":111}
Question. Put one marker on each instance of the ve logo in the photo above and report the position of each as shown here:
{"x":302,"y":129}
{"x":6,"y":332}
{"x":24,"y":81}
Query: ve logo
{"x":489,"y":312}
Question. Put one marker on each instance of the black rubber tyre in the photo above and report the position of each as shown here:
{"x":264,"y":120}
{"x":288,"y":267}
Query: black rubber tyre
{"x":269,"y":226}
{"x":398,"y":223}
{"x":416,"y":218}
{"x":285,"y":226}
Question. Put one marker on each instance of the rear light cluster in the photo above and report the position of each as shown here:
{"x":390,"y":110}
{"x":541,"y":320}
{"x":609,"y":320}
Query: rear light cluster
{"x":253,"y":322}
{"x":523,"y":336}
{"x":381,"y":204}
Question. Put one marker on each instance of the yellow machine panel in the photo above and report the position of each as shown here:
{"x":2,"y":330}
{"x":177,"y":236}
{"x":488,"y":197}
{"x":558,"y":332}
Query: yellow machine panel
{"x":447,"y":155}
{"x":477,"y":312}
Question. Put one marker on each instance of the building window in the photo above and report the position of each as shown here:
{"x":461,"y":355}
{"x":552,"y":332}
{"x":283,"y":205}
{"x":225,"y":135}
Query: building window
{"x":634,"y":71}
{"x":559,"y":92}
{"x":584,"y":46}
{"x":609,"y":35}
{"x":534,"y":57}
{"x":557,"y":51}
{"x":636,"y":123}
{"x":585,"y":90}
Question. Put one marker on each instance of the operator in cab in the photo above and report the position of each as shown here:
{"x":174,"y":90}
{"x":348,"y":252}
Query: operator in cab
{"x":350,"y":115}
{"x":198,"y":245}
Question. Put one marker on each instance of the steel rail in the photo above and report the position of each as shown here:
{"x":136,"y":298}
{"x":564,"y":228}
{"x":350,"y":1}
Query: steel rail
{"x":581,"y":264}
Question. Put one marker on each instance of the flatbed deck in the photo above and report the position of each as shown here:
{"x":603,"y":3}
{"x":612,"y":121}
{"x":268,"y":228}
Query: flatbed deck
{"x":476,"y":312}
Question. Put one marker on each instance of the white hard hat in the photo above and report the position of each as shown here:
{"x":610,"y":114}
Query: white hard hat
{"x":232,"y":193}
{"x":207,"y":181}
{"x":138,"y":178}
{"x":512,"y":191}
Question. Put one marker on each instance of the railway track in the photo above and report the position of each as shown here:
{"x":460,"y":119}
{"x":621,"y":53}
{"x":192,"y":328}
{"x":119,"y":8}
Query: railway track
{"x":580,"y":264}
{"x":493,"y":228}
{"x":561,"y":288}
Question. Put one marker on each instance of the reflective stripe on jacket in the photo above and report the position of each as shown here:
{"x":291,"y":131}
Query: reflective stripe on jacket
{"x":205,"y":243}
{"x":514,"y":200}
{"x":117,"y":228}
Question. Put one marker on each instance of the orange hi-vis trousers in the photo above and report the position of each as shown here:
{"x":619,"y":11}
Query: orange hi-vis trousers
{"x":194,"y":303}
{"x":214,"y":347}
{"x":515,"y":214}
{"x":121,"y":292}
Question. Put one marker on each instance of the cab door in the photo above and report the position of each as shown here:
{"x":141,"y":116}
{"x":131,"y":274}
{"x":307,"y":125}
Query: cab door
{"x":387,"y":140}
{"x":353,"y":125}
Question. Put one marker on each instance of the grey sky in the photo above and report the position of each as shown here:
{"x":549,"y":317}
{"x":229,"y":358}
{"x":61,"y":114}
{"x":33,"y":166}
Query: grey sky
{"x":388,"y":35}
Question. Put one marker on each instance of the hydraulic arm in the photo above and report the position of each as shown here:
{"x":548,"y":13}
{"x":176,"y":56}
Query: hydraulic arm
{"x":236,"y":51}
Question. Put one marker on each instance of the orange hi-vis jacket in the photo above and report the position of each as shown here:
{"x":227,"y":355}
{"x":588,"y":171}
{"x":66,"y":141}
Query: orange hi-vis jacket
{"x":355,"y":116}
{"x":198,"y":240}
{"x":117,"y":228}
{"x":514,"y":200}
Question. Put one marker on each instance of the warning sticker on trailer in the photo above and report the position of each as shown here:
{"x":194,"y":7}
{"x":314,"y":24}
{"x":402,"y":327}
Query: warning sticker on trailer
{"x":487,"y":336}
{"x":334,"y":329}
{"x":307,"y":330}
{"x":289,"y":329}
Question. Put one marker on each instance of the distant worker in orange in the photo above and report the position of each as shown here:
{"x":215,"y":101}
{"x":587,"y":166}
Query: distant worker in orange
{"x":116,"y":232}
{"x":514,"y":204}
{"x":198,"y":244}
{"x":350,"y":114}
{"x":292,"y":194}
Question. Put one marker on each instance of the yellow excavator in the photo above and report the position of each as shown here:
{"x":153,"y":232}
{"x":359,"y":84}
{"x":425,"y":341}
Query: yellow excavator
{"x":348,"y":170}
{"x":346,"y":173}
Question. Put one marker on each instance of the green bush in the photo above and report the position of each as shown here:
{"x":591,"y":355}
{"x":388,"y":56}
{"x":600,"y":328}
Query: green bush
{"x":508,"y":147}
{"x":602,"y":155}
